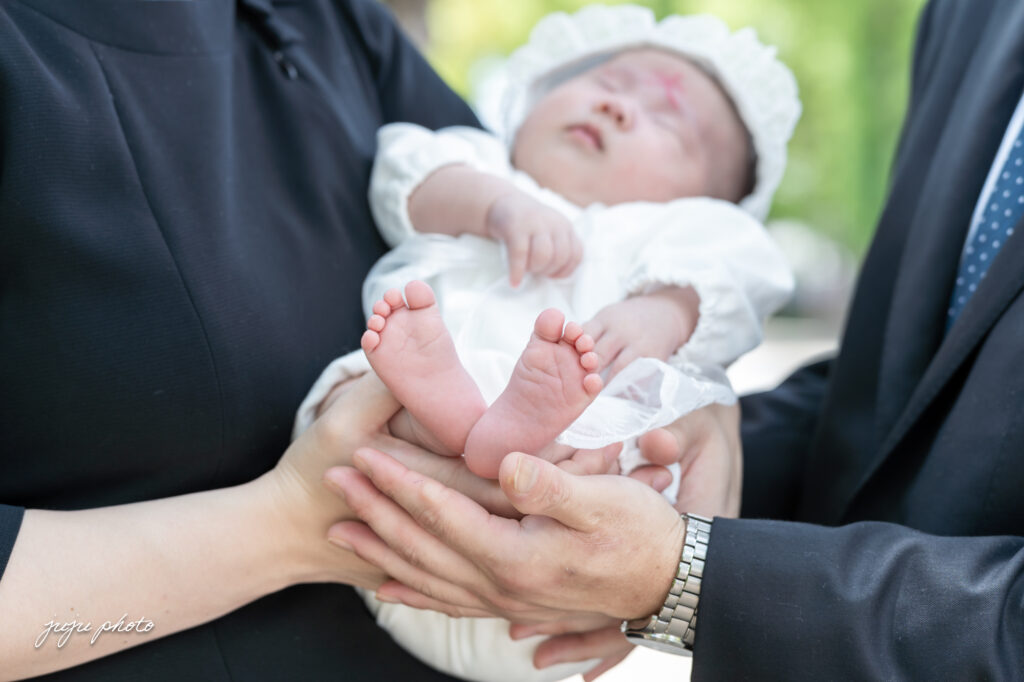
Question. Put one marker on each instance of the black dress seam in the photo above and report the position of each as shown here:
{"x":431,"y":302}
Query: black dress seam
{"x":170,"y":253}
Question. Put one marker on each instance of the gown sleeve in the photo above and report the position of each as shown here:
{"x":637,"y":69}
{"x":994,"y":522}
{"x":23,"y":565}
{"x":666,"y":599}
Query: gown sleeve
{"x":407,"y":154}
{"x":739,"y":273}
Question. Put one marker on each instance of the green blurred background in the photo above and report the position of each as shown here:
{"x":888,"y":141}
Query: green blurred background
{"x":851,"y":59}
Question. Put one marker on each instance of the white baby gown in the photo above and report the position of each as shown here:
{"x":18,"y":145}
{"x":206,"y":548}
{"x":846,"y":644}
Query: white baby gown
{"x":736,"y":269}
{"x":714,"y":246}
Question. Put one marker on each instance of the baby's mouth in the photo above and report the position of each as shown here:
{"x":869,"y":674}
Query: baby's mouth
{"x":588,"y":134}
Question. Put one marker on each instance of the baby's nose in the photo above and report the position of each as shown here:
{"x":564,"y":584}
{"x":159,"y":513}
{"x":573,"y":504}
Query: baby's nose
{"x":618,"y":111}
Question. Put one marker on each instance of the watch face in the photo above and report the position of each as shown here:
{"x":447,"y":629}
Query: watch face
{"x":666,"y":643}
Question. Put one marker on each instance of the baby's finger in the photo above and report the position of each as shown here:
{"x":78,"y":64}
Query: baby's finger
{"x":626,"y":356}
{"x":541,"y":250}
{"x":608,"y":348}
{"x":577,"y":250}
{"x":594,"y":329}
{"x":562,"y":253}
{"x":573,"y":254}
{"x":518,"y":247}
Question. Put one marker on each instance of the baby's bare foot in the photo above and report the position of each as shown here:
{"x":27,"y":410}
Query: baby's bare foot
{"x":553,"y":382}
{"x":413,"y":354}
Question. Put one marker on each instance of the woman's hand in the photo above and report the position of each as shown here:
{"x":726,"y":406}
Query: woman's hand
{"x":578,"y":639}
{"x":355,"y":416}
{"x":597,"y":544}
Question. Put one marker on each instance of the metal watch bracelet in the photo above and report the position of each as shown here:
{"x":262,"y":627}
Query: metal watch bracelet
{"x":673,"y":628}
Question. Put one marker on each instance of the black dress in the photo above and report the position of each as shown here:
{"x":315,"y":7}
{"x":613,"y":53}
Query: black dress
{"x":184,"y":230}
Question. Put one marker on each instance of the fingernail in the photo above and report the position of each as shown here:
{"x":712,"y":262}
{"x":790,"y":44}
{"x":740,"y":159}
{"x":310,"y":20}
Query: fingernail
{"x":526,"y":474}
{"x":360,"y":460}
{"x":662,"y":480}
{"x":341,"y":544}
{"x":386,"y":598}
{"x":545,"y":661}
{"x":522,"y":633}
{"x":333,"y":485}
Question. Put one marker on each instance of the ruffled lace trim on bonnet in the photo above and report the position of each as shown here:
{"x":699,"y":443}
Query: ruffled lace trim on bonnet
{"x":762,"y":88}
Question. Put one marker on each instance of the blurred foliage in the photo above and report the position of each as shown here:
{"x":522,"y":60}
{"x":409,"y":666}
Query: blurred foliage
{"x":851,"y":59}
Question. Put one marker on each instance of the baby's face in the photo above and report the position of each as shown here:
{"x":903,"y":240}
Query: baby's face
{"x":643,"y":126}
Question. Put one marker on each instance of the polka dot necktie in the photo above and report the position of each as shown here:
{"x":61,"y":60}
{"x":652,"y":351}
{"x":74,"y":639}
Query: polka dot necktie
{"x":994,"y":226}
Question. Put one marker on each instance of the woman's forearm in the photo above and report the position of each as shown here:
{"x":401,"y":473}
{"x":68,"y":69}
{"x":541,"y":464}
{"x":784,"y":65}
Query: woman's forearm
{"x":84,"y":584}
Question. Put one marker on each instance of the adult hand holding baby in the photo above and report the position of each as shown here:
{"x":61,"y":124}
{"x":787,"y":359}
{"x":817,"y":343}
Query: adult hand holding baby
{"x":706,"y":444}
{"x":578,"y":640}
{"x":588,"y":544}
{"x":357,"y":415}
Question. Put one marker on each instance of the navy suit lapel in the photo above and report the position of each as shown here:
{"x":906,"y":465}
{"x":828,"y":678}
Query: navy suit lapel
{"x":1002,"y":285}
{"x":917,"y":361}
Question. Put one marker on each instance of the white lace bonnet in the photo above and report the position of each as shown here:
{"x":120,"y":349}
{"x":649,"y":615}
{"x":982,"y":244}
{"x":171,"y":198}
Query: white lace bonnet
{"x":762,"y":88}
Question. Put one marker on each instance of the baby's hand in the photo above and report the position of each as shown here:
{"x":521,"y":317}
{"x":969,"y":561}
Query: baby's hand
{"x":650,"y":326}
{"x":539,"y":239}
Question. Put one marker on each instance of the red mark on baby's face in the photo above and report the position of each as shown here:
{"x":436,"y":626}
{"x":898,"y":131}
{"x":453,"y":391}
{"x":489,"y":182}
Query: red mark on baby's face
{"x":672,"y":84}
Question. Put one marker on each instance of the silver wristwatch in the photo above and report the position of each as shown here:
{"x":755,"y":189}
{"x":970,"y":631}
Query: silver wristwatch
{"x":672,"y":628}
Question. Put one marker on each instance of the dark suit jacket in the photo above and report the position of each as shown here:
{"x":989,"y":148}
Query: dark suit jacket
{"x":906,"y":451}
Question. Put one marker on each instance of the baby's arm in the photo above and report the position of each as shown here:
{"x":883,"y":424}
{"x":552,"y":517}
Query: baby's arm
{"x":653,"y":325}
{"x":738,"y":273}
{"x":458,"y":200}
{"x":455,"y":181}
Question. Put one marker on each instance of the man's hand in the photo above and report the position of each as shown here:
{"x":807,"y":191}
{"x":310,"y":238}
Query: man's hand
{"x":538,"y":238}
{"x":598,"y":544}
{"x":706,"y":443}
